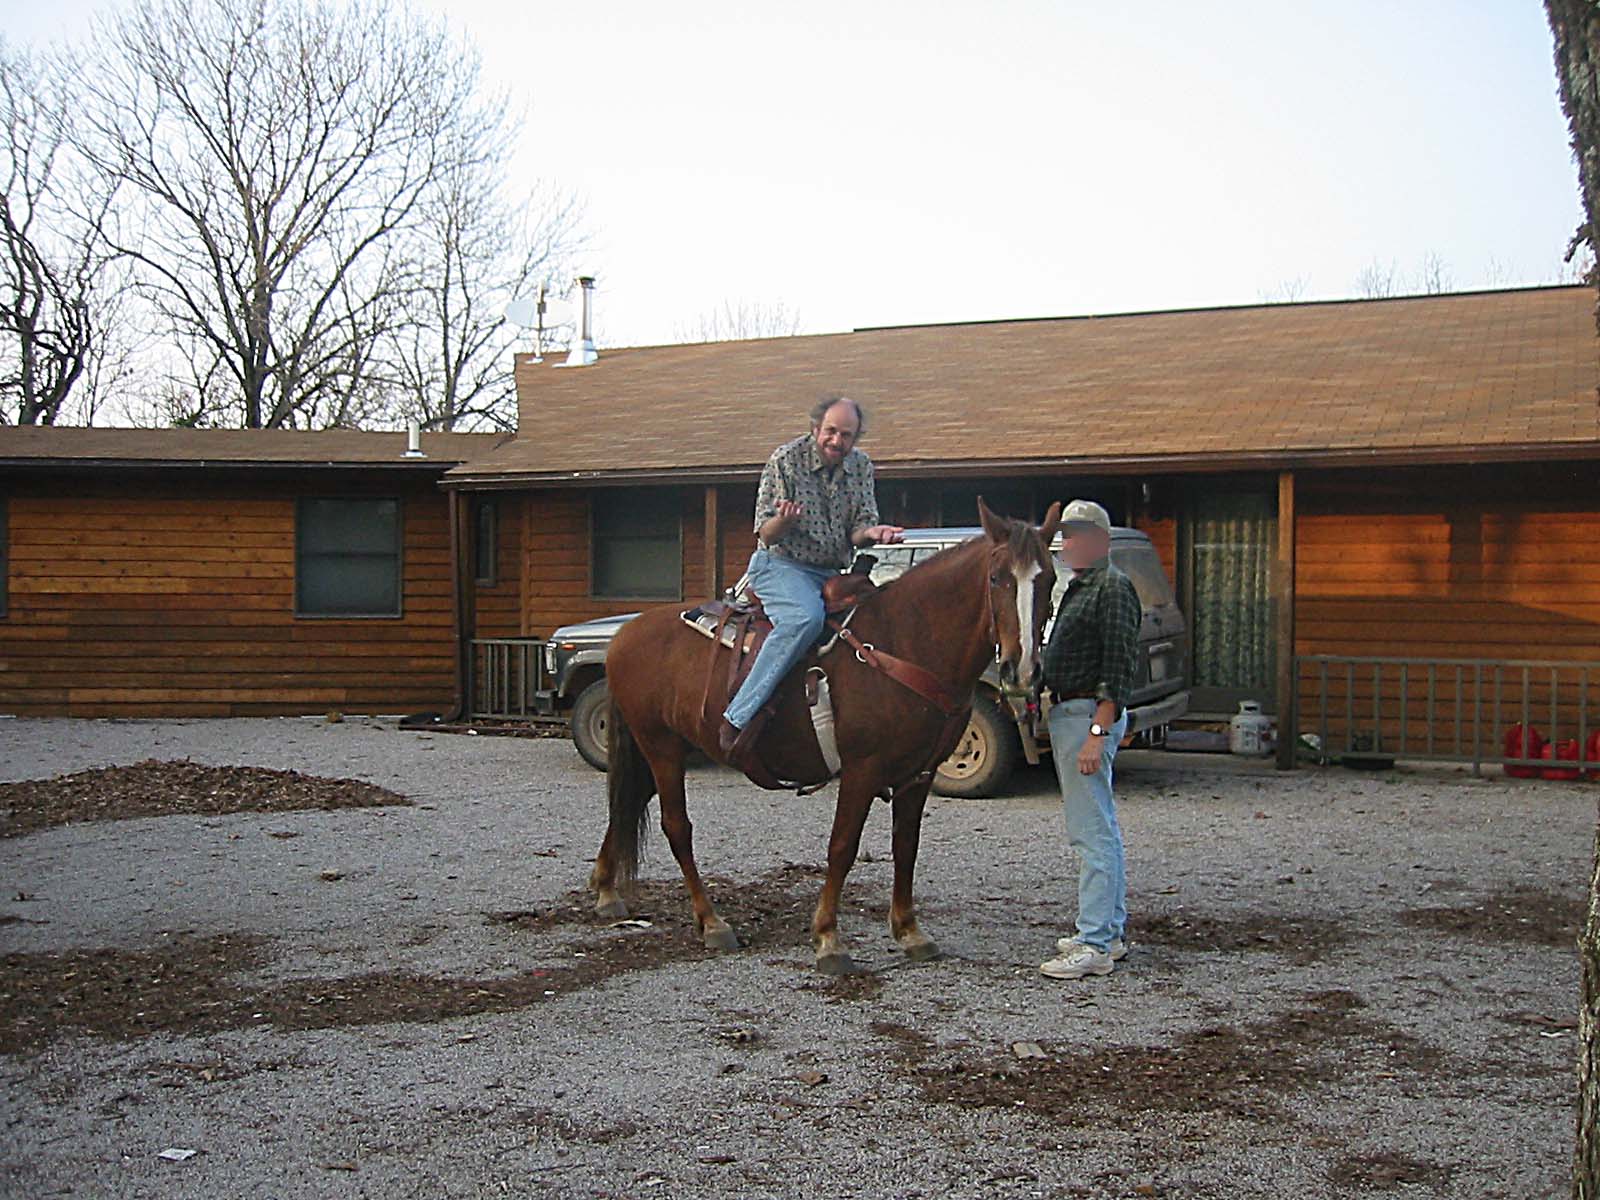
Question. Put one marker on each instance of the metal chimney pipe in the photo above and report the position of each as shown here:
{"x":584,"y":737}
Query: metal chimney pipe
{"x":414,"y":440}
{"x":583,"y":352}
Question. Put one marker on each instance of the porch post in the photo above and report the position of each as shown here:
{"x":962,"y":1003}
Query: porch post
{"x":1283,"y":623}
{"x":461,"y":599}
{"x":713,"y":543}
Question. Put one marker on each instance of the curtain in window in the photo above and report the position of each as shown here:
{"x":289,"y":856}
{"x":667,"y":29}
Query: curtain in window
{"x":1233,"y":538}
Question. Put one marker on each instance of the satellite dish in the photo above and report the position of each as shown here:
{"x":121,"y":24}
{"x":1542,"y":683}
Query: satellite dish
{"x":522,"y":312}
{"x":557,"y":312}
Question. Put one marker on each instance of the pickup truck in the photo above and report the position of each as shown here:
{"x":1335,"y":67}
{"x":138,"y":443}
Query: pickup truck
{"x":575,"y":655}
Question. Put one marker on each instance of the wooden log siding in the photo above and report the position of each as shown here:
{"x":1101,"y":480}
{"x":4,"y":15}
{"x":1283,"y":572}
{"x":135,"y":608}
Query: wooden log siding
{"x":1451,"y":566}
{"x":498,"y":607}
{"x":1465,"y":565}
{"x":156,"y":600}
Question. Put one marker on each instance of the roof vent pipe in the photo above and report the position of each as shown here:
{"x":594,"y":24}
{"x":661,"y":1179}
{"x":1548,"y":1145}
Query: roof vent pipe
{"x":583,"y":352}
{"x":414,"y":440}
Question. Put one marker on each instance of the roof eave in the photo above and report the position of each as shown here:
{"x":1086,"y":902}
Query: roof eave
{"x":226,"y":464}
{"x":1125,"y":464}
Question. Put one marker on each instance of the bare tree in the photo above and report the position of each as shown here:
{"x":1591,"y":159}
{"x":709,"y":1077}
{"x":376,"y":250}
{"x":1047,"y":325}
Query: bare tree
{"x":270,"y":152}
{"x":739,"y":320}
{"x":1433,"y":275}
{"x":52,"y":257}
{"x":450,"y":358}
{"x":1575,"y":27}
{"x":1377,"y":281}
{"x":1286,"y":291}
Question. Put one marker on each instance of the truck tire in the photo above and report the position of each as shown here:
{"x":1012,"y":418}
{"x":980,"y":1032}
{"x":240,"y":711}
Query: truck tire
{"x":984,"y":757}
{"x":590,"y":716}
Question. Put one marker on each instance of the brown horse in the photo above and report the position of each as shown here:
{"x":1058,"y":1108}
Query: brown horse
{"x":951,"y":615}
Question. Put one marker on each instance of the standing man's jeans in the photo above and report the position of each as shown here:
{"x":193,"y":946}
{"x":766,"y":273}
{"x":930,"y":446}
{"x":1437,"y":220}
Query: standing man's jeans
{"x":1092,"y":828}
{"x":791,"y":592}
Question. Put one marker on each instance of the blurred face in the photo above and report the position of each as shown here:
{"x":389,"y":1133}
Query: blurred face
{"x":1083,"y":545}
{"x":836,"y":433}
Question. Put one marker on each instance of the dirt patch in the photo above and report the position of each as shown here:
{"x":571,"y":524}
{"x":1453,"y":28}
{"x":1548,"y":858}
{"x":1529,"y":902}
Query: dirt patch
{"x":1303,"y":940}
{"x":189,"y":986}
{"x":1233,"y":1071}
{"x":1515,"y":914}
{"x":1387,"y":1172}
{"x":159,"y":789}
{"x":184,"y":985}
{"x":771,"y":910}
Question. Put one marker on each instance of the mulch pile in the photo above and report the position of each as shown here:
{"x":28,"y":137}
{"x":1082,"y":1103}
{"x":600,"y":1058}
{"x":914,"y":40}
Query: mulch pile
{"x":161,"y":789}
{"x":1514,"y":914}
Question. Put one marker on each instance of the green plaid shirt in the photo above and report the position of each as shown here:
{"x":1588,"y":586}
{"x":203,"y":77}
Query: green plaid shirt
{"x":1094,"y":647}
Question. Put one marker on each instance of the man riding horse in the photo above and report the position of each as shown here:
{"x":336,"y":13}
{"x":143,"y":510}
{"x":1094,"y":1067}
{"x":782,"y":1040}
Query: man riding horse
{"x":816,"y":504}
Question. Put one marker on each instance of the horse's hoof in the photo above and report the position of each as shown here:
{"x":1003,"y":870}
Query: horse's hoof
{"x":922,"y":951}
{"x":837,"y":963}
{"x":612,"y":909}
{"x":722,"y":939}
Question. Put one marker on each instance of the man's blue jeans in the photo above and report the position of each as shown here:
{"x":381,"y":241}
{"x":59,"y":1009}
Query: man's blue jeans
{"x":1092,"y":828}
{"x":791,"y":592}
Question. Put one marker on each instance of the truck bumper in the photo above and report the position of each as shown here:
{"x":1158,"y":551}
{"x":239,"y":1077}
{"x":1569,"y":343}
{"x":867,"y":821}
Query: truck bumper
{"x":1163,"y":712}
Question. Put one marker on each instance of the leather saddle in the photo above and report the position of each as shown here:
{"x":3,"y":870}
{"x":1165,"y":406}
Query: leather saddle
{"x":740,"y":624}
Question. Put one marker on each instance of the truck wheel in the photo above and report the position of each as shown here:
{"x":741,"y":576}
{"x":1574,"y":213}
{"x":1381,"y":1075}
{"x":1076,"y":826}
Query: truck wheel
{"x":984,"y":757}
{"x":590,"y":716}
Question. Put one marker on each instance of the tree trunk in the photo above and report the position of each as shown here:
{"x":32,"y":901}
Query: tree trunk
{"x":1586,"y":1159}
{"x":1575,"y":28}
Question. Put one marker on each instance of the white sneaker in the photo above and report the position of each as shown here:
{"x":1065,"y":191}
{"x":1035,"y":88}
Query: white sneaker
{"x":1077,"y":962}
{"x":1118,"y":949}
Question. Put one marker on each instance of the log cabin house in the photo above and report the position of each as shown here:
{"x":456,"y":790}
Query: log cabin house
{"x":179,"y":572}
{"x":1327,"y":483}
{"x":1409,"y":479}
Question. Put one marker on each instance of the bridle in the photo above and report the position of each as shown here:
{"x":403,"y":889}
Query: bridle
{"x":994,"y":613}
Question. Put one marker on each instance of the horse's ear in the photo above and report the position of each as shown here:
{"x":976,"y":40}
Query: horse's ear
{"x":1052,"y":522}
{"x":994,"y":526}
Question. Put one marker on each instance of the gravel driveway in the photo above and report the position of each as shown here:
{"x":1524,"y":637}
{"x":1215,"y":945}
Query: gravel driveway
{"x":1343,"y":984}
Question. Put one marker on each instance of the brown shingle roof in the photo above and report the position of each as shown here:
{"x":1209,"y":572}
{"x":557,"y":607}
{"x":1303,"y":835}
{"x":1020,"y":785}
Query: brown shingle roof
{"x":1485,"y":375}
{"x":38,"y":445}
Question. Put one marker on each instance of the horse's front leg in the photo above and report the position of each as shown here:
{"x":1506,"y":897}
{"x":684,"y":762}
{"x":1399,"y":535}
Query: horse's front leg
{"x":908,"y":805}
{"x":849,"y":816}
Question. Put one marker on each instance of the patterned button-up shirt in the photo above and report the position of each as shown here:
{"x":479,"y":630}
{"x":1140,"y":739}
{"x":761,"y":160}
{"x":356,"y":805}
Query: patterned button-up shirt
{"x":839,"y":502}
{"x":1094,"y":647}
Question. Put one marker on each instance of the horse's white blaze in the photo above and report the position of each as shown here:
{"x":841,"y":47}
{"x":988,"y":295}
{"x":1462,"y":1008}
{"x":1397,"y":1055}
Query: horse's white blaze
{"x":1025,"y":637}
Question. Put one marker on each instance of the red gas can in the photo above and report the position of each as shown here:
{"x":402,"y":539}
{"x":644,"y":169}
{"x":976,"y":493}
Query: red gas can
{"x":1562,"y":751}
{"x":1513,"y":748}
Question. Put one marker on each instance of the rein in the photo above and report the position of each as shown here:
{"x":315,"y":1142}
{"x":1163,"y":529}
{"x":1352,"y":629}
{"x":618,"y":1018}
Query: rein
{"x":908,"y":674}
{"x":904,"y":672}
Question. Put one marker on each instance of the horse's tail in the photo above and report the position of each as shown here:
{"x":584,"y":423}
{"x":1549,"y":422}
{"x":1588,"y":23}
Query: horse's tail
{"x":629,"y":786}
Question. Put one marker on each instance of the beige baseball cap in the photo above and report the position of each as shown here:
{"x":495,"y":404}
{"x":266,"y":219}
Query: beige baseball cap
{"x":1086,"y":512}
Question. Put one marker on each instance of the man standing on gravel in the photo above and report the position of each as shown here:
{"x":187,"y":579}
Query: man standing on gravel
{"x":1089,"y":667}
{"x":817,"y":501}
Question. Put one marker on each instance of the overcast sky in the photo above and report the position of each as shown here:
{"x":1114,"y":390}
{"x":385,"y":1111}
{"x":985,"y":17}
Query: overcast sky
{"x":874,"y":163}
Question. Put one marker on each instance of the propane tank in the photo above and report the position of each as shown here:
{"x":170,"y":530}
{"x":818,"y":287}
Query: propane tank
{"x":1250,"y":731}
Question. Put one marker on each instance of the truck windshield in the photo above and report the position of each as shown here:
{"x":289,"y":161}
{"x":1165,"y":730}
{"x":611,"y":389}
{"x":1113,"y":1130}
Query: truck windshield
{"x":1141,"y":564}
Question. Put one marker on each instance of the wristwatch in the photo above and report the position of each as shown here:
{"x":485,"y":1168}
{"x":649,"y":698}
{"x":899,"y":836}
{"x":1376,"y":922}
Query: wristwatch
{"x":1097,"y":730}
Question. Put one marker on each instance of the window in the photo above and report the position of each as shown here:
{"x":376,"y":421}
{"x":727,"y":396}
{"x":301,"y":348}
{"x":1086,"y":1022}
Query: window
{"x":347,"y":558}
{"x":486,"y":543}
{"x":636,"y":551}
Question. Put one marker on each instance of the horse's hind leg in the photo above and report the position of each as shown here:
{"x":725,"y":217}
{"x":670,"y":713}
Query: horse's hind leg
{"x":908,"y":806}
{"x":608,"y":901}
{"x":666,"y":760}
